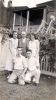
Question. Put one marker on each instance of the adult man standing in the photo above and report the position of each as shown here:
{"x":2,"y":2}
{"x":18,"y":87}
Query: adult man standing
{"x":23,"y":42}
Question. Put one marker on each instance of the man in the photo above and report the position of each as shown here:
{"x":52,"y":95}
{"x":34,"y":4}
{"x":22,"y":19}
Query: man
{"x":20,"y":67}
{"x":33,"y":68}
{"x":23,"y":42}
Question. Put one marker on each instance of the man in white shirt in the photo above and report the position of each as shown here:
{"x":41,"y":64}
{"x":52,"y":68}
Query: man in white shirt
{"x":20,"y":67}
{"x":33,"y":69}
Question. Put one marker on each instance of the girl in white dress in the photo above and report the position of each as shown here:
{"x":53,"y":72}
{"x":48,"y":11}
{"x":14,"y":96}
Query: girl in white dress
{"x":4,"y":52}
{"x":1,"y":35}
{"x":14,"y":44}
{"x":34,"y":46}
{"x":11,"y":53}
{"x":9,"y":58}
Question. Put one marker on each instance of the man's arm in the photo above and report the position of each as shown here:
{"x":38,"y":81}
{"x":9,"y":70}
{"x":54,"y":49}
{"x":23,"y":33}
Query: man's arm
{"x":25,"y":66}
{"x":37,"y":63}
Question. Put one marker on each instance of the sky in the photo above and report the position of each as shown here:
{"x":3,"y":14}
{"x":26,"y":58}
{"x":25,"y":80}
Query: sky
{"x":29,"y":3}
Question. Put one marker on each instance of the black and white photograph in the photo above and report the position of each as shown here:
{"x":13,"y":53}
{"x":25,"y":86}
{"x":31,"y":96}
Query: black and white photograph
{"x":27,"y":49}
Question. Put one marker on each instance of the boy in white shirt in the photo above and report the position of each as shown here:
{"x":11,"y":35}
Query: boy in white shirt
{"x":20,"y":67}
{"x":33,"y":68}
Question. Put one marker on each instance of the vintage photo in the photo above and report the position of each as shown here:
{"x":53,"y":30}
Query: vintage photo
{"x":27,"y":49}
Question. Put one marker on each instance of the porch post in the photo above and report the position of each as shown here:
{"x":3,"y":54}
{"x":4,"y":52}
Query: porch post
{"x":27,"y":22}
{"x":14,"y":21}
{"x":44,"y":14}
{"x":21,"y":20}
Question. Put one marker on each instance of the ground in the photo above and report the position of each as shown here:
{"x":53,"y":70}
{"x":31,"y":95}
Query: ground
{"x":46,"y":90}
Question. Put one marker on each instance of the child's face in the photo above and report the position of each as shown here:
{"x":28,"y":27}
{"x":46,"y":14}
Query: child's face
{"x":29,"y":54}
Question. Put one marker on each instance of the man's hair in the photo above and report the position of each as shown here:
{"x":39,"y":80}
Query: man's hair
{"x":29,"y":50}
{"x":33,"y":35}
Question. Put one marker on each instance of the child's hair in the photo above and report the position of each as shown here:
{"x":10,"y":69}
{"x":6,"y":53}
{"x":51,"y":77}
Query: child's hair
{"x":33,"y":35}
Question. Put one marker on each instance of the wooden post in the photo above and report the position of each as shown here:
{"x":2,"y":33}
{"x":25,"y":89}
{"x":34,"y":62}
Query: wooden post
{"x":21,"y":20}
{"x":44,"y":14}
{"x":27,"y":23}
{"x":14,"y":21}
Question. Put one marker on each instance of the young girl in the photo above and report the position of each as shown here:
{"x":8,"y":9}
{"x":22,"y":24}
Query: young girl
{"x":11,"y":53}
{"x":34,"y":46}
{"x":1,"y":35}
{"x":3,"y":55}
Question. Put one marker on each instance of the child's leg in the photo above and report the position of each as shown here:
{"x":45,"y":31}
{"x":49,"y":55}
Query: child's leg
{"x":8,"y":74}
{"x":20,"y":77}
{"x":36,"y":76}
{"x":27,"y":77}
{"x":12,"y":77}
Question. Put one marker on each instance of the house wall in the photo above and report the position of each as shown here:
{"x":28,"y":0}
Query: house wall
{"x":3,"y":14}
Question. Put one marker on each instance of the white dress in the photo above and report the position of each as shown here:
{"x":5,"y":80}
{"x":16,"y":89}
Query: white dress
{"x":0,"y":50}
{"x":11,"y":53}
{"x":13,"y":46}
{"x":3,"y":56}
{"x":9,"y":58}
{"x":34,"y":46}
{"x":0,"y":43}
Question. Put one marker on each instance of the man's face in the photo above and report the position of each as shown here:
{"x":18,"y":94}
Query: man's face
{"x":19,"y":51}
{"x":29,"y":54}
{"x":23,"y":35}
{"x":15,"y":35}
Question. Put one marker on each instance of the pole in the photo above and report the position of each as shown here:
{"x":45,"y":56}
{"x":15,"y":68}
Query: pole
{"x":14,"y":21}
{"x":27,"y":23}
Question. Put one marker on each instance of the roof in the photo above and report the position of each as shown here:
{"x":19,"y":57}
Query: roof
{"x":39,"y":6}
{"x":15,"y":9}
{"x":49,"y":3}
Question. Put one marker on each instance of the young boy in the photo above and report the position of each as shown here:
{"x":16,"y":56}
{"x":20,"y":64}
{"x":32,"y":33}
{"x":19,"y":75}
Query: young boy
{"x":33,"y":68}
{"x":20,"y":67}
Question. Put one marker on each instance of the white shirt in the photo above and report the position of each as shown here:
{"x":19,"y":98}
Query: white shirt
{"x":14,"y":43}
{"x":20,"y":63}
{"x":13,"y":46}
{"x":24,"y":39}
{"x":32,"y":63}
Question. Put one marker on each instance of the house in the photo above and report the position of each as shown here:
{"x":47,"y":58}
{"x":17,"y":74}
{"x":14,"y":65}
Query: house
{"x":29,"y":19}
{"x":16,"y":17}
